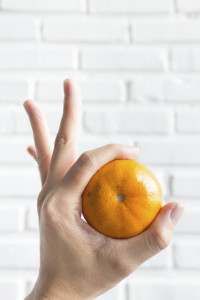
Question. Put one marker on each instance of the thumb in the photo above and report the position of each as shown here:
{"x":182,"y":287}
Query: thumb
{"x":157,"y":236}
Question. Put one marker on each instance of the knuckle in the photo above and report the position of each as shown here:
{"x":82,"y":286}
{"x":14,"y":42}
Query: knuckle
{"x":88,"y":159}
{"x":49,"y":211}
{"x":159,"y":240}
{"x":60,"y":141}
{"x":42,"y":157}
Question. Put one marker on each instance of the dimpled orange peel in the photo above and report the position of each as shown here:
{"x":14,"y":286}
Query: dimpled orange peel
{"x":121,"y":199}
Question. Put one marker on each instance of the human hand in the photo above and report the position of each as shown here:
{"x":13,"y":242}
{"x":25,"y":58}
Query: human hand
{"x":76,"y":261}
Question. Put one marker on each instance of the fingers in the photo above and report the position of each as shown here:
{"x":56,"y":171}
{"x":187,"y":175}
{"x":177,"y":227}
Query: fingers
{"x":65,"y":148}
{"x":157,"y":236}
{"x":41,"y":137}
{"x":87,"y":165}
{"x":32,"y":151}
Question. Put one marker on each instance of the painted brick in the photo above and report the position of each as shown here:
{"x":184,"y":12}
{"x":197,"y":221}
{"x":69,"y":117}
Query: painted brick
{"x":18,"y":28}
{"x":170,"y":152}
{"x":85,"y":30}
{"x":42,"y":5}
{"x":129,"y":6}
{"x":188,"y":6}
{"x":20,"y":155}
{"x":187,"y":58}
{"x":166,"y":31}
{"x":34,"y":57}
{"x":19,"y":254}
{"x":6,"y":122}
{"x":13,"y":90}
{"x":151,"y":89}
{"x":10,"y":290}
{"x":32,"y":218}
{"x":182,"y":90}
{"x":190,"y":222}
{"x":186,"y":185}
{"x":188,"y":121}
{"x":9,"y":219}
{"x":187,"y":254}
{"x":126,"y":59}
{"x":170,"y":288}
{"x":127,"y":121}
{"x":19,"y":183}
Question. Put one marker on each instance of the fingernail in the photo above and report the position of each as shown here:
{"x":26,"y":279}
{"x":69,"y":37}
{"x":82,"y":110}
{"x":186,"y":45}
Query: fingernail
{"x":134,"y":149}
{"x":176,"y":213}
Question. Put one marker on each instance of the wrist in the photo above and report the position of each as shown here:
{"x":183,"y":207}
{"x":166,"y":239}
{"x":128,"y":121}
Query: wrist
{"x":46,"y":289}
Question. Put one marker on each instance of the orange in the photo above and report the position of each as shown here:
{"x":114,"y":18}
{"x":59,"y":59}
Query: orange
{"x":121,"y":199}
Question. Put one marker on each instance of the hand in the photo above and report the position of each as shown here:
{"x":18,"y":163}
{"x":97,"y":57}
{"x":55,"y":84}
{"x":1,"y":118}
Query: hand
{"x":76,"y":261}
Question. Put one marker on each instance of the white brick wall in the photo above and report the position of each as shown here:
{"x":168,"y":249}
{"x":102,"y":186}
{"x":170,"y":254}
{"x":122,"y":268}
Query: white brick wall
{"x":188,"y":6}
{"x":84,"y":30}
{"x":166,"y":31}
{"x":129,"y":6}
{"x":123,"y":59}
{"x":138,"y":65}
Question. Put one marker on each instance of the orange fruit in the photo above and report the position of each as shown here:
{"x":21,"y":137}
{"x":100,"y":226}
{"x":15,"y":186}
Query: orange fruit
{"x":121,"y":199}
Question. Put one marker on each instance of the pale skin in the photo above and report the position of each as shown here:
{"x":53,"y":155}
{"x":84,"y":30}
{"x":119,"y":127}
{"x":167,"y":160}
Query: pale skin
{"x":76,"y":261}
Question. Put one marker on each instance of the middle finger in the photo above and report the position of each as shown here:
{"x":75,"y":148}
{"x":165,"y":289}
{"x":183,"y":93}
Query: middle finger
{"x":65,"y":147}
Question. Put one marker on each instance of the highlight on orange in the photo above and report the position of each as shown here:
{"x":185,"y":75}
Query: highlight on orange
{"x":122,"y":199}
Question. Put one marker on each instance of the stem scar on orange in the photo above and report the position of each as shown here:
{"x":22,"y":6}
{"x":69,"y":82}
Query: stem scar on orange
{"x":121,"y":199}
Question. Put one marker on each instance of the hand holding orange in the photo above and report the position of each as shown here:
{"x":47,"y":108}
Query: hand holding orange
{"x":122,"y":199}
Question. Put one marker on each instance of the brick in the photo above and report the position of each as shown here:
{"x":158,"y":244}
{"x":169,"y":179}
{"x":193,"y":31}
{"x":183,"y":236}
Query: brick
{"x":100,"y":90}
{"x":187,"y":254}
{"x":85,"y":30}
{"x":151,"y":89}
{"x":127,"y":59}
{"x":19,"y":254}
{"x":13,"y":90}
{"x":93,"y":90}
{"x":49,"y":90}
{"x":10,"y":290}
{"x":19,"y":183}
{"x":186,"y":59}
{"x":190,"y":222}
{"x":165,"y":289}
{"x":17,"y":28}
{"x":9,"y":219}
{"x":188,"y":6}
{"x":166,"y":31}
{"x":170,"y":152}
{"x":129,"y":6}
{"x":186,"y":185}
{"x":165,"y":89}
{"x":56,"y":57}
{"x":20,"y":154}
{"x":32,"y":219}
{"x":42,"y":5}
{"x":6,"y":122}
{"x":188,"y":121}
{"x":34,"y":57}
{"x":182,"y":90}
{"x":127,"y":121}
